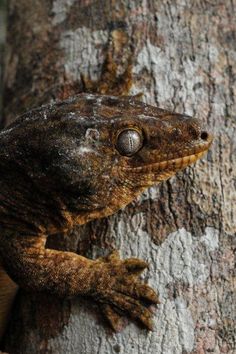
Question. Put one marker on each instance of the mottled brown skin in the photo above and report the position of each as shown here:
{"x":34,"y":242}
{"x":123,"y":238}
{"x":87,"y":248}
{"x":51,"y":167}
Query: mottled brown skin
{"x":60,"y":166}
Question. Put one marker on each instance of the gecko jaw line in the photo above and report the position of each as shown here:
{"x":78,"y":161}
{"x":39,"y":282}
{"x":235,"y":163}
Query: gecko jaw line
{"x":177,"y":163}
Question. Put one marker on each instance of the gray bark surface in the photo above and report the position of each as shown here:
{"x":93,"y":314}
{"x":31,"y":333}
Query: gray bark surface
{"x":181,"y":55}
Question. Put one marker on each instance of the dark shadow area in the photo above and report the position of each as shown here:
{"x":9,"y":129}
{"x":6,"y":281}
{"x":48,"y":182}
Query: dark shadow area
{"x":2,"y":41}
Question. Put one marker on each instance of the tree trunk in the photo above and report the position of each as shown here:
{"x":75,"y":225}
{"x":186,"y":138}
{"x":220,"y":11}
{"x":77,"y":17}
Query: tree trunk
{"x":181,"y":56}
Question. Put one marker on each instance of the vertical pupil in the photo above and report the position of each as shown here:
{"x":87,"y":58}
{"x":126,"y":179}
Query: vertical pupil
{"x":131,"y":142}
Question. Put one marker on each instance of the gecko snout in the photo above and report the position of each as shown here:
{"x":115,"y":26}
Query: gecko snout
{"x":206,"y":137}
{"x":197,"y":131}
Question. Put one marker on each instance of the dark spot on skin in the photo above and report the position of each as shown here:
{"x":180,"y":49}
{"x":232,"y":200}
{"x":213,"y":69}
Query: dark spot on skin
{"x":175,"y":134}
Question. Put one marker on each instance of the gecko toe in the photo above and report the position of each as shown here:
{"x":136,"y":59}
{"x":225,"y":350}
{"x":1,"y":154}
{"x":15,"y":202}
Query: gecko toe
{"x":133,"y":308}
{"x":139,"y":291}
{"x":135,"y":265}
{"x":117,"y":321}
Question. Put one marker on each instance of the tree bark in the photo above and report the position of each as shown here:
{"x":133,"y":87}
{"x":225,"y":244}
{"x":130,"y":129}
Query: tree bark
{"x":180,"y":54}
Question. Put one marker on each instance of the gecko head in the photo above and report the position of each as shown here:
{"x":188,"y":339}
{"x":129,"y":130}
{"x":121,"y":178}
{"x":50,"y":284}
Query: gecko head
{"x":127,"y":146}
{"x":151,"y":145}
{"x":94,"y":154}
{"x":156,"y":147}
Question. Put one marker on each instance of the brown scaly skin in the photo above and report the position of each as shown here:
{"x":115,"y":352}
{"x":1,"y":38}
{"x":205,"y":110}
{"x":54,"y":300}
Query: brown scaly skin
{"x":59,"y":166}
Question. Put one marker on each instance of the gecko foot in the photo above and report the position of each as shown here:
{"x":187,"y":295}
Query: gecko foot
{"x":120,"y":292}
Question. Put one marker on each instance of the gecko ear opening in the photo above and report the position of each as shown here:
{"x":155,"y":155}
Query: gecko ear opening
{"x":129,"y":141}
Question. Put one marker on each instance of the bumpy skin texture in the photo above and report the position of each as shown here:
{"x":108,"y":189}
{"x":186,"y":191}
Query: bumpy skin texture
{"x":60,"y":165}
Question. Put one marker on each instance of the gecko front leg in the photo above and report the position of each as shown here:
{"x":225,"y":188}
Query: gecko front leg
{"x":110,"y":281}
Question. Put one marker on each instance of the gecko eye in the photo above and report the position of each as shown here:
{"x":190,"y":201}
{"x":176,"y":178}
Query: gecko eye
{"x":129,"y":141}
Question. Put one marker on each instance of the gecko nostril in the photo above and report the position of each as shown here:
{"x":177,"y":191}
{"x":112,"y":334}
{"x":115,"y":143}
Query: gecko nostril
{"x":204,"y":135}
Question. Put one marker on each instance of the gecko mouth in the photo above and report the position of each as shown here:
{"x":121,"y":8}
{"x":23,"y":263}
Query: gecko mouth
{"x":178,"y":163}
{"x":171,"y":165}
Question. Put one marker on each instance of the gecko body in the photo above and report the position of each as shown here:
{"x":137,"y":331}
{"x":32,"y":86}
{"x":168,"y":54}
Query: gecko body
{"x":77,"y":160}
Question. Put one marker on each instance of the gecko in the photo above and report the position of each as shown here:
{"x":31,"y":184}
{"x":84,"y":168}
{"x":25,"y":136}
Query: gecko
{"x":83,"y":158}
